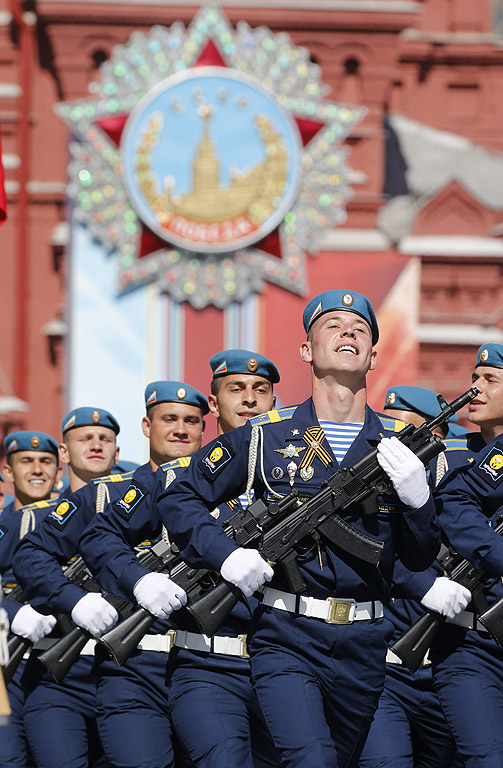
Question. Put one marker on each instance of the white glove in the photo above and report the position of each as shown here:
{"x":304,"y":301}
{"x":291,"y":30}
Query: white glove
{"x":31,"y":624}
{"x":247,"y":570}
{"x":95,"y":614}
{"x":446,"y":597}
{"x":405,"y":470}
{"x":159,"y":595}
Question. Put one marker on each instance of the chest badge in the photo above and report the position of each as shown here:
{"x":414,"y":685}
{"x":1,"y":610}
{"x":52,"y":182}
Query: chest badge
{"x":306,"y":473}
{"x":291,"y":451}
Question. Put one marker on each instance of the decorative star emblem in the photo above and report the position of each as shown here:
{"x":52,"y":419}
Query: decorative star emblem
{"x":295,"y":432}
{"x":291,"y":451}
{"x":97,"y":186}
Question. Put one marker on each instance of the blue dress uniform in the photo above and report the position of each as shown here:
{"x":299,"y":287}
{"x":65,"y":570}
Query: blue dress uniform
{"x":318,"y":682}
{"x":409,"y":729}
{"x":213,"y":706}
{"x":467,"y":662}
{"x":13,"y":525}
{"x":144,"y":737}
{"x":52,"y":710}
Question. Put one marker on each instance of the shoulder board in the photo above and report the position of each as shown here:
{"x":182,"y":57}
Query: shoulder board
{"x":391,"y":424}
{"x":47,"y":504}
{"x":117,"y":478}
{"x":271,"y":417}
{"x":183,"y":461}
{"x":456,"y":443}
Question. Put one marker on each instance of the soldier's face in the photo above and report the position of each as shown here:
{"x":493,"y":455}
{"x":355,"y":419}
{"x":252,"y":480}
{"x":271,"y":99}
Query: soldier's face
{"x":90,"y":451}
{"x":487,"y":408}
{"x":240,"y":397}
{"x":33,"y":474}
{"x":339,"y":342}
{"x":174,"y":430}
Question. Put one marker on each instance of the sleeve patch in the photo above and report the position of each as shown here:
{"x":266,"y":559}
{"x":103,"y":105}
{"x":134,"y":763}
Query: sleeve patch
{"x":3,"y":531}
{"x":490,"y":468}
{"x":60,"y":515}
{"x":217,"y":457}
{"x":130,"y":499}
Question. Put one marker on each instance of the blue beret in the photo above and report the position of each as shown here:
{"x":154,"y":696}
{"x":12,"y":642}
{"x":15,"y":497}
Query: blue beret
{"x":123,"y":466}
{"x":347,"y":300}
{"x":29,"y":441}
{"x":417,"y":399}
{"x":89,"y":417}
{"x":243,"y":361}
{"x":174,"y":392}
{"x":490,"y":354}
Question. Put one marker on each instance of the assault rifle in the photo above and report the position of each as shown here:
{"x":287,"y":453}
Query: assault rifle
{"x":277,"y":528}
{"x":412,"y":647}
{"x":65,"y":651}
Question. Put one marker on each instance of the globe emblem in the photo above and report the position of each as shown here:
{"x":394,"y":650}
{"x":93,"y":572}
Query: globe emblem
{"x":211,"y":160}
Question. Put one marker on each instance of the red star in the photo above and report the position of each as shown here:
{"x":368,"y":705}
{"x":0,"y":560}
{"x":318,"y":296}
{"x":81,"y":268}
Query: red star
{"x":114,"y":126}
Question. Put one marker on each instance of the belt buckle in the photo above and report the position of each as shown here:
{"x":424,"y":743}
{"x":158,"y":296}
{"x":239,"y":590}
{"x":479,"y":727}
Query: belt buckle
{"x":171,"y":635}
{"x":340,"y":611}
{"x":244,"y":649}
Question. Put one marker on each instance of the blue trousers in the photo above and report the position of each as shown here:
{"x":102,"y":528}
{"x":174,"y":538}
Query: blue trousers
{"x":133,"y":711}
{"x":318,"y":685}
{"x":14,"y":752}
{"x":215,"y":711}
{"x":468,"y":677}
{"x":60,"y":720}
{"x":409,"y":729}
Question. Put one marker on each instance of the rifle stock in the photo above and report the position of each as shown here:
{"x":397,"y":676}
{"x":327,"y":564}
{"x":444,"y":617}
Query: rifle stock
{"x":414,"y":644}
{"x":123,"y":639}
{"x":17,"y":647}
{"x":492,"y":620}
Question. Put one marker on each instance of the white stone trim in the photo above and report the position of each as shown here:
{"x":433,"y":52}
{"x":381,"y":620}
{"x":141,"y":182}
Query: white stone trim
{"x":450,"y":245}
{"x":354,"y":240}
{"x":375,"y":6}
{"x":445,"y":333}
{"x":10,"y":90}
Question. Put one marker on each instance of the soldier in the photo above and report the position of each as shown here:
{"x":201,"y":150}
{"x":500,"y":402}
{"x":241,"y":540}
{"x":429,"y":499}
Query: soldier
{"x":32,"y":466}
{"x":213,"y":706}
{"x":89,"y":445}
{"x":51,"y":709}
{"x":174,"y":425}
{"x":318,"y":678}
{"x":467,"y":661}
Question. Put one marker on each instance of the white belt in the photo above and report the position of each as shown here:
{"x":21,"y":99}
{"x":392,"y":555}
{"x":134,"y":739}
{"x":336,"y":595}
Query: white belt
{"x":228,"y":646}
{"x":467,"y":619}
{"x":392,"y":658}
{"x":47,"y":642}
{"x":334,"y":610}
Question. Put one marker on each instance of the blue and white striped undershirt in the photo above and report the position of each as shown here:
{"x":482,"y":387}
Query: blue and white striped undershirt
{"x":340,"y":436}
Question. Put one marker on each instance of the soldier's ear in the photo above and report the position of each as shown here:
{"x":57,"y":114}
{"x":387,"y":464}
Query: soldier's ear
{"x":373,"y":360}
{"x":145,"y":426}
{"x":305,"y":351}
{"x":64,"y":456}
{"x":213,"y":403}
{"x":7,"y":473}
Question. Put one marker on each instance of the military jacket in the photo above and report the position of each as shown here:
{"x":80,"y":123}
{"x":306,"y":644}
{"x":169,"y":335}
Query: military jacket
{"x":42,"y":553}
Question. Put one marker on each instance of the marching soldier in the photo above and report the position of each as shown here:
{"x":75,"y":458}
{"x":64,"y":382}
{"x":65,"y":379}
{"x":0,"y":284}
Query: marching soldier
{"x":32,"y":466}
{"x":51,"y":710}
{"x":214,"y":709}
{"x":318,"y":673}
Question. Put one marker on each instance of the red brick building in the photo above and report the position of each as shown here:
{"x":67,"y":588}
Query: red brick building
{"x":426,"y":218}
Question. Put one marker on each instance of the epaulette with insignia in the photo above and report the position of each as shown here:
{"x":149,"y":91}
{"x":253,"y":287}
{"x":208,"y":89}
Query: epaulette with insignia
{"x":391,"y":424}
{"x":183,"y":461}
{"x":271,"y":417}
{"x":117,"y":478}
{"x":47,"y":504}
{"x":456,"y":443}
